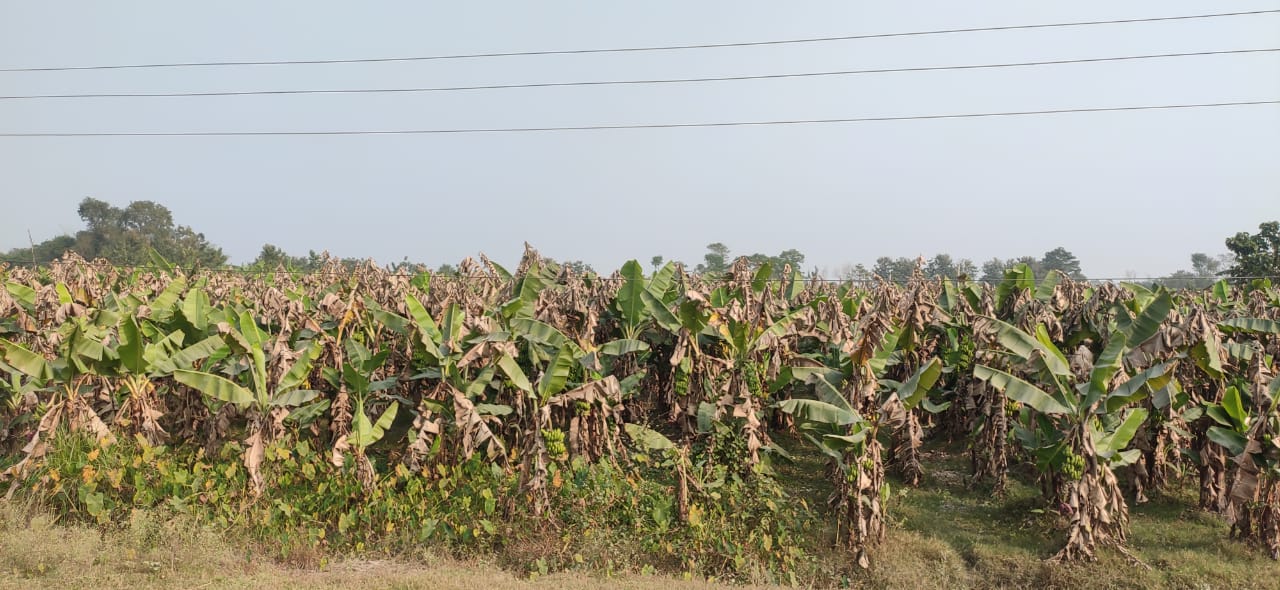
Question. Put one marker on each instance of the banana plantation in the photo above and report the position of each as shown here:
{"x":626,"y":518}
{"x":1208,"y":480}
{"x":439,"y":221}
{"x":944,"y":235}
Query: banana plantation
{"x":343,"y":407}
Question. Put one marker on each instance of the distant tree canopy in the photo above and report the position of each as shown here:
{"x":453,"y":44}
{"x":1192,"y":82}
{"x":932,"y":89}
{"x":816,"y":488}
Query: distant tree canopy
{"x":1059,"y":259}
{"x":1204,"y":272}
{"x":1256,"y":255}
{"x":901,"y":269}
{"x":717,"y":260}
{"x":126,"y":236}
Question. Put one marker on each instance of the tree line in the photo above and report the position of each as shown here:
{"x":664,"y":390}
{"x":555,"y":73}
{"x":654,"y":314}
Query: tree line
{"x":133,"y":234}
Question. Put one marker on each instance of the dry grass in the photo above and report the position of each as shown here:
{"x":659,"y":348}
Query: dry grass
{"x":36,"y":552}
{"x":943,"y":536}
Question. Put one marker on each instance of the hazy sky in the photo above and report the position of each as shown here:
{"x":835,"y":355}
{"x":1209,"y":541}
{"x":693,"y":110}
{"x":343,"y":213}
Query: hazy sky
{"x":1136,"y":191}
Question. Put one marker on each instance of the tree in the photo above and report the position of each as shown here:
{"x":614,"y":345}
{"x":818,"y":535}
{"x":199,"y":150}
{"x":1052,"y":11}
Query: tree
{"x":792,"y":257}
{"x":853,"y":272}
{"x":272,"y":257}
{"x":716,"y":260}
{"x":578,"y":267}
{"x":1061,"y":260}
{"x":1037,"y":267}
{"x":45,"y":251}
{"x":1207,"y":266}
{"x":941,"y":265}
{"x":1204,"y":269}
{"x":894,"y":269}
{"x":1256,"y":255}
{"x":993,"y":270}
{"x":656,"y":261}
{"x":127,"y":236}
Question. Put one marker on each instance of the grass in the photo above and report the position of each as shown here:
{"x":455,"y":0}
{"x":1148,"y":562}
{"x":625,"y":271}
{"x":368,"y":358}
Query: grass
{"x":942,"y":535}
{"x":147,"y":552}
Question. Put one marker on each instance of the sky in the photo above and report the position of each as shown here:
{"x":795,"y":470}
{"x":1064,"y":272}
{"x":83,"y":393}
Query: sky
{"x":1130,"y":193}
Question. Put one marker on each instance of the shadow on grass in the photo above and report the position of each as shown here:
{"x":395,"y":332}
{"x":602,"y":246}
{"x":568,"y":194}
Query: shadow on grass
{"x":945,"y":534}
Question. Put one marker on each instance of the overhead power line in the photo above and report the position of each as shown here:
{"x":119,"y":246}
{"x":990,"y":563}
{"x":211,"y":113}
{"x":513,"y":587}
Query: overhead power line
{"x":638,"y":49}
{"x":638,"y":126}
{"x":639,"y":82}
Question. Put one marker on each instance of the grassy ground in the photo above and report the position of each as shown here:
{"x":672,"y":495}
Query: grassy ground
{"x":943,"y":535}
{"x":38,"y":553}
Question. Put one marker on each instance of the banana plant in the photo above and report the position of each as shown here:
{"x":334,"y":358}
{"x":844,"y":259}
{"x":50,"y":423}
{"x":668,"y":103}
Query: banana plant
{"x":267,"y":403}
{"x":357,"y":368}
{"x":1076,"y":429}
{"x":82,"y":359}
{"x":144,"y":354}
{"x":851,"y":440}
{"x":1253,"y":506}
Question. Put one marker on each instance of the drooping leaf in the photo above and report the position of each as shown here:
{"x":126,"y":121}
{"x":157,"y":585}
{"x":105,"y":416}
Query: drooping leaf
{"x":214,"y":386}
{"x":293,"y":398}
{"x":26,"y":361}
{"x":662,"y":281}
{"x":648,"y":439}
{"x":623,"y":346}
{"x":513,"y":372}
{"x":913,"y":390}
{"x":657,"y":309}
{"x":1252,"y":325}
{"x":1044,"y":291}
{"x":1232,"y":441}
{"x":1021,"y":391}
{"x":538,"y":332}
{"x":1119,"y":439}
{"x":188,"y":356}
{"x":1029,"y":347}
{"x":692,"y":317}
{"x":1147,"y":323}
{"x":1137,"y":387}
{"x":297,"y":374}
{"x":810,"y":410}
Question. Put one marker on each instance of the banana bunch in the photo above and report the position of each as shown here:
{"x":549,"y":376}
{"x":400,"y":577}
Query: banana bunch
{"x":555,"y":443}
{"x":751,"y":370}
{"x":681,"y":382}
{"x":1011,"y":407}
{"x":1073,"y":466}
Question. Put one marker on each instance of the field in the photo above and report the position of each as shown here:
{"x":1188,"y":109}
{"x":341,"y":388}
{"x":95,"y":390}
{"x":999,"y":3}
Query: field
{"x":538,"y":428}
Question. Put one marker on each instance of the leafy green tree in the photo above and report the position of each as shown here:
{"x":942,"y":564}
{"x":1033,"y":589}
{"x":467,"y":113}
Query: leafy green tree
{"x":854,"y":272}
{"x":1256,"y":255}
{"x":272,"y":257}
{"x":578,"y":267}
{"x":894,"y":269}
{"x":716,"y":260}
{"x":1208,"y":266}
{"x":1204,"y":269}
{"x":1061,"y":260}
{"x":993,"y":270}
{"x":941,"y":265}
{"x":656,"y":261}
{"x":127,"y":236}
{"x":792,"y":256}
